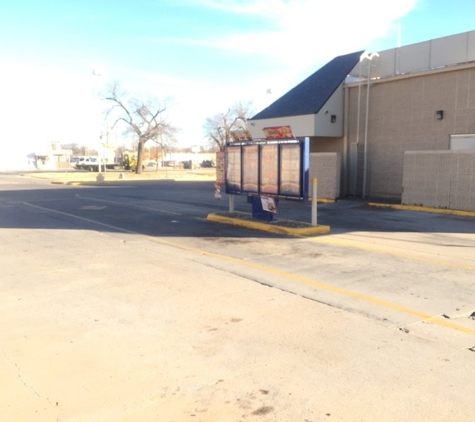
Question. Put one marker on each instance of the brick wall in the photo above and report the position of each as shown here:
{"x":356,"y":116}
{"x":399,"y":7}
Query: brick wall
{"x":441,"y":179}
{"x":326,"y":167}
{"x":402,"y":117}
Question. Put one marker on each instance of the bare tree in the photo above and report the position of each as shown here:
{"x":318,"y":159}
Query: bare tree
{"x":143,"y":118}
{"x":166,"y":140}
{"x":219,"y":127}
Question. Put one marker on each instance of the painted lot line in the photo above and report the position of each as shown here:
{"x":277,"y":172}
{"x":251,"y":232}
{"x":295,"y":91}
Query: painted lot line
{"x":423,"y":317}
{"x":402,"y":245}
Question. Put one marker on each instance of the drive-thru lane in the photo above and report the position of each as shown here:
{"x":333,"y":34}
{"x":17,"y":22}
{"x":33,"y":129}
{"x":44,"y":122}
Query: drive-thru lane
{"x":151,"y":311}
{"x":170,"y":211}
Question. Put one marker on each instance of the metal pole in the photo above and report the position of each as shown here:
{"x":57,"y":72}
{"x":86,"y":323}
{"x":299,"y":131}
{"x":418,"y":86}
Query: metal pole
{"x":358,"y":109}
{"x":358,"y":113}
{"x":231,"y":203}
{"x":314,"y":202}
{"x":365,"y":161}
{"x":99,"y":158}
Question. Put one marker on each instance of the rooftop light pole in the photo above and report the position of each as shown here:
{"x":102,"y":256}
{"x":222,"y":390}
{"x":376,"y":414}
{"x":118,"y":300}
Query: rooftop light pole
{"x":370,"y":57}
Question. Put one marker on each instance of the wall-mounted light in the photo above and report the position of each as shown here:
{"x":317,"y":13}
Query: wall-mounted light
{"x":333,"y":118}
{"x":439,"y":114}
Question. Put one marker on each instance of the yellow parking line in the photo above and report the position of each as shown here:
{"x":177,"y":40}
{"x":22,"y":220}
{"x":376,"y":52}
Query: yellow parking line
{"x":435,"y":320}
{"x":382,"y":249}
{"x":424,"y":209}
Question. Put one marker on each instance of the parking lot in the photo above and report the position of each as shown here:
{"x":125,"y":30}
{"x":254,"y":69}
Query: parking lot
{"x":122,"y":302}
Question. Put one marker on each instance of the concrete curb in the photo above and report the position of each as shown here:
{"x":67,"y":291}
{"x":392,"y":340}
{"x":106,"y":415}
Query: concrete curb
{"x":107,"y":182}
{"x":270,"y":227}
{"x":86,"y":178}
{"x":323,"y":200}
{"x":423,"y":209}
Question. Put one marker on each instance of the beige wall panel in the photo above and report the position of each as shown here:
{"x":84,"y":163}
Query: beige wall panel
{"x":441,"y":179}
{"x":318,"y":144}
{"x":323,"y":123}
{"x":385,"y":65}
{"x":448,"y":50}
{"x":326,"y":168}
{"x":471,"y":47}
{"x":433,"y":54}
{"x":402,"y":117}
{"x":414,"y":57}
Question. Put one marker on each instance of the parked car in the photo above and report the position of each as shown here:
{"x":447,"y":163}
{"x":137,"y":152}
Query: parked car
{"x":207,"y":164}
{"x":187,"y":164}
{"x":81,"y":161}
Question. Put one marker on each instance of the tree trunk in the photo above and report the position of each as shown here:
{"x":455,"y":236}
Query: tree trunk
{"x":138,"y":170}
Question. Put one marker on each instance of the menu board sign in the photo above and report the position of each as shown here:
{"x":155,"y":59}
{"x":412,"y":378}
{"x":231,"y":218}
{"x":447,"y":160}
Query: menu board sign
{"x":278,"y":132}
{"x":233,"y":169}
{"x":250,"y":168}
{"x":290,"y":170}
{"x":277,"y":168}
{"x":241,"y":135}
{"x":269,"y":169}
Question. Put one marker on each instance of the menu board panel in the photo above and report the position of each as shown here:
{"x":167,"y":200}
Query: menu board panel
{"x":290,"y":170}
{"x":233,"y":169}
{"x":269,"y":169}
{"x":250,"y":168}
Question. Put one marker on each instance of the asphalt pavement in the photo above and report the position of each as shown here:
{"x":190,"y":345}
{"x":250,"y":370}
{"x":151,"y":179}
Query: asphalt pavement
{"x":122,"y":301}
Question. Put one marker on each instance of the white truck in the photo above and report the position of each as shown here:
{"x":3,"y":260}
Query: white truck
{"x":106,"y":159}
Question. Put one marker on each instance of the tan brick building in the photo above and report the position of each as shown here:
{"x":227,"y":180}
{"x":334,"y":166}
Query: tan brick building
{"x":421,"y":98}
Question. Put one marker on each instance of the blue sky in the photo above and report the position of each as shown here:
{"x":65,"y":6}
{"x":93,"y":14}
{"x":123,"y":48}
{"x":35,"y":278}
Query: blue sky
{"x":200,"y":56}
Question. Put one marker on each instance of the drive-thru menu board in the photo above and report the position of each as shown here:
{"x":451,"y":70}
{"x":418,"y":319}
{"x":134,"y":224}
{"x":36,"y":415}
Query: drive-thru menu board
{"x":233,"y":169}
{"x":290,"y":170}
{"x":250,"y":175}
{"x":277,"y":168}
{"x":269,"y":169}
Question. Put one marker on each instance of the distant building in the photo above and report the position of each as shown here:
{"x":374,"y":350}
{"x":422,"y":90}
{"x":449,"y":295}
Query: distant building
{"x":22,"y":158}
{"x":409,"y":136}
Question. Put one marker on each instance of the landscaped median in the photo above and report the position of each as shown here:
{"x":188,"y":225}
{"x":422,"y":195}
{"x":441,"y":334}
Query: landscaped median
{"x":288,"y":227}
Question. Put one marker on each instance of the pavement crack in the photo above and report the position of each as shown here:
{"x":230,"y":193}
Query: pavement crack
{"x":21,"y":379}
{"x":303,"y":296}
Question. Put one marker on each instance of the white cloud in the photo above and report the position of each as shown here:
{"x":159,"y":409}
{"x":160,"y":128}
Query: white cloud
{"x":297,"y":35}
{"x":303,"y":32}
{"x":43,"y":104}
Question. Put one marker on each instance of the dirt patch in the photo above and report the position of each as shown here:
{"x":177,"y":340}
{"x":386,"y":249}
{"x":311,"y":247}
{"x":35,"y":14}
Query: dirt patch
{"x":263,"y":410}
